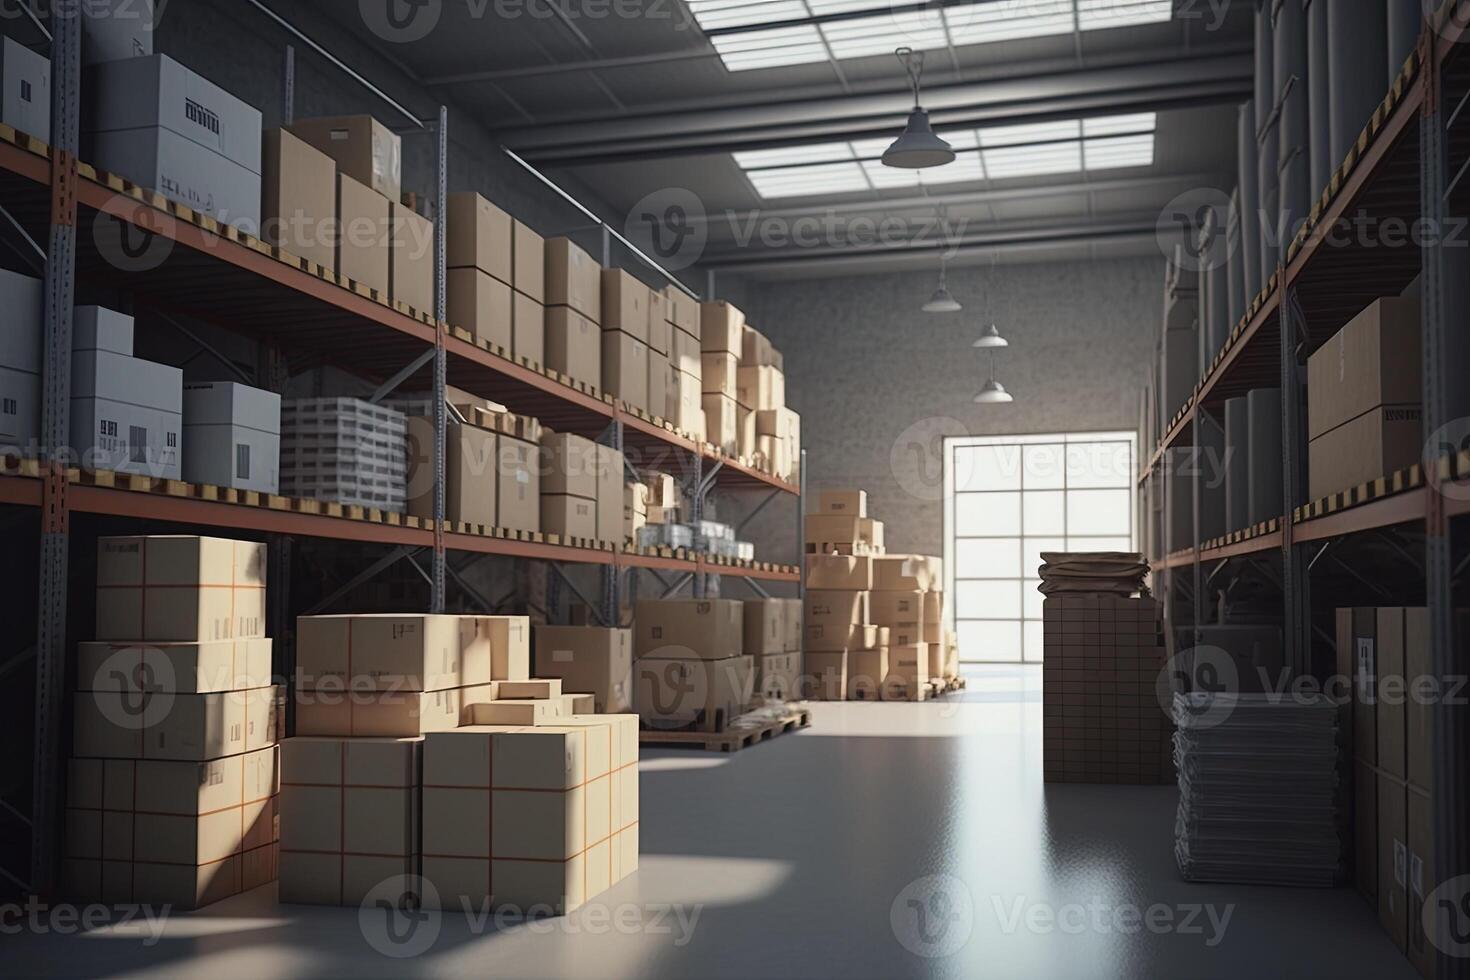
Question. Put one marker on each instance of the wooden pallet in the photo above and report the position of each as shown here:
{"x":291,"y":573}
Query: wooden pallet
{"x":945,"y":685}
{"x":733,"y":738}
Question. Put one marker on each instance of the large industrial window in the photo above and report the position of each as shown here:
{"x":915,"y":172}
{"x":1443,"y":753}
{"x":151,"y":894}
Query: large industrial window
{"x":1007,"y":499}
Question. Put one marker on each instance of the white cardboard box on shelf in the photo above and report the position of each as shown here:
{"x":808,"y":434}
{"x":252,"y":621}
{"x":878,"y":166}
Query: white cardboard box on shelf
{"x":160,"y":125}
{"x":20,"y":359}
{"x":25,"y":95}
{"x":98,"y":328}
{"x":232,"y":436}
{"x":126,"y":414}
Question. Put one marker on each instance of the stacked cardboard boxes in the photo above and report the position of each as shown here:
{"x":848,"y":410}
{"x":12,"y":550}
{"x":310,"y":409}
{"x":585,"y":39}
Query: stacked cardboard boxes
{"x":569,"y":486}
{"x":480,"y":262}
{"x":573,"y":289}
{"x":1384,"y":726}
{"x":344,"y":450}
{"x":773,"y":642}
{"x":908,"y":599}
{"x":1102,"y":720}
{"x":626,"y":317}
{"x":692,"y":669}
{"x":847,"y":657}
{"x":172,"y":787}
{"x":744,"y":393}
{"x":589,"y":660}
{"x":299,"y":199}
{"x":841,"y":525}
{"x":685,"y":380}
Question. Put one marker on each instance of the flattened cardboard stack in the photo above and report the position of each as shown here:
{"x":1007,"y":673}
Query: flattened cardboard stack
{"x":1257,"y":789}
{"x":1101,"y":718}
{"x":692,"y":669}
{"x":172,"y":788}
{"x":344,"y":450}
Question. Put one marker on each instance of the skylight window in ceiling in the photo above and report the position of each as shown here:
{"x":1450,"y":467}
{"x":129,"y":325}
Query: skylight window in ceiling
{"x":994,"y":153}
{"x":750,"y":34}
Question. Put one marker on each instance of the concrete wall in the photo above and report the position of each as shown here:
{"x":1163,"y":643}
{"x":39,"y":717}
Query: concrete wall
{"x":878,"y":382}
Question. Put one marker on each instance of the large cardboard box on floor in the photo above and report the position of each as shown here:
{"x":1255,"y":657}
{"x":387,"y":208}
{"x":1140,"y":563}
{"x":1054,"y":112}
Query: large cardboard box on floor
{"x":908,"y":671}
{"x":721,"y":328}
{"x":349,"y":817}
{"x":591,"y":660}
{"x":705,"y":629}
{"x":625,"y":303}
{"x":481,"y":304}
{"x":180,"y":588}
{"x":825,"y":676}
{"x":777,"y":676}
{"x":299,"y":198}
{"x":853,"y":572}
{"x":518,"y":496}
{"x":365,"y":150}
{"x":573,"y":278}
{"x":574,"y":345}
{"x":765,"y":626}
{"x":469,"y":472}
{"x":793,"y":622}
{"x":364,"y":250}
{"x":674,"y":692}
{"x":867,"y":674}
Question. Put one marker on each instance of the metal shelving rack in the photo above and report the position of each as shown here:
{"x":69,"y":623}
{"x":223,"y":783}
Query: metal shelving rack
{"x":312,"y":315}
{"x":1408,"y":164}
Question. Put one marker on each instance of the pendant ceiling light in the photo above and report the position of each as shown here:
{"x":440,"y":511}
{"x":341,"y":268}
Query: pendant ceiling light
{"x":991,"y":339}
{"x":917,"y":147}
{"x":942,"y":301}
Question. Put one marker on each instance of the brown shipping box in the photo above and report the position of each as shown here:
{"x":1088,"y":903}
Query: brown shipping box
{"x":349,"y":817}
{"x":625,"y":367}
{"x":179,"y":588}
{"x":849,"y":503}
{"x":611,"y":525}
{"x":299,"y":198}
{"x":838,"y":529}
{"x":721,"y":328}
{"x":825,"y":676}
{"x":387,"y":714}
{"x":689,"y":413}
{"x":625,"y":302}
{"x":719,"y":374}
{"x":834,"y":637}
{"x":481,"y":304}
{"x":682,"y":310}
{"x":527,"y":328}
{"x":174,"y":668}
{"x":528,"y":263}
{"x":517,"y":497}
{"x":706,"y":629}
{"x":660,"y":330}
{"x":854,"y":572}
{"x":836,"y":608}
{"x":1372,"y":361}
{"x":589,"y":659}
{"x":867,"y":672}
{"x":765,"y":626}
{"x":1422,"y":951}
{"x":1377,"y":443}
{"x":684,"y":354}
{"x":569,"y":516}
{"x":574,"y":345}
{"x":908,"y":670}
{"x":388,"y":652}
{"x":469,"y":472}
{"x":412,"y":272}
{"x":571,"y":465}
{"x":573,"y":278}
{"x":778,"y":676}
{"x":479,"y":236}
{"x":365,"y":219}
{"x":744,"y":431}
{"x":760,"y":388}
{"x":907,"y":573}
{"x":680,"y":691}
{"x":793,"y":622}
{"x":365,"y":150}
{"x":721,"y":423}
{"x":186,"y":727}
{"x":1365,"y":831}
{"x":756,"y":349}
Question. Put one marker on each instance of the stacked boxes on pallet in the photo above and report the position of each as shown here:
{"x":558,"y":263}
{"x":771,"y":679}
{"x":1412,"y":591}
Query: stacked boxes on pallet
{"x":497,"y":278}
{"x":841,"y":525}
{"x":773,"y":642}
{"x":344,"y":450}
{"x":907,"y":598}
{"x":744,"y":393}
{"x":626,"y":306}
{"x":172,"y":787}
{"x":846,"y":656}
{"x":692,"y":669}
{"x":685,"y":379}
{"x":573,"y":313}
{"x":1102,"y":720}
{"x":492,"y":468}
{"x":1383,"y":655}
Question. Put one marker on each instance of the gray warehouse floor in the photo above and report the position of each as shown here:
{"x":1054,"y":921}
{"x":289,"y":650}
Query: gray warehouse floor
{"x":888,"y":840}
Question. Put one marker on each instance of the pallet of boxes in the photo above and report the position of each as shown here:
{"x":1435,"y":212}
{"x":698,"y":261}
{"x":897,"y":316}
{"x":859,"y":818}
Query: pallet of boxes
{"x":744,"y":393}
{"x":429,"y":768}
{"x":1103,"y":643}
{"x":172,"y":786}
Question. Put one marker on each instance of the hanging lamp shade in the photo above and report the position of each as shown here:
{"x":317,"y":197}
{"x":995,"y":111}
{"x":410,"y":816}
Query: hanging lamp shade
{"x":993,"y":393}
{"x":991,"y":339}
{"x":942,"y":302}
{"x":917,"y":147}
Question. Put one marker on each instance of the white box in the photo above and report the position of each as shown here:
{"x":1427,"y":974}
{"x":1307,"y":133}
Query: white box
{"x":116,"y":29}
{"x":159,"y":124}
{"x":126,"y":414}
{"x":232,"y":436}
{"x":20,"y":327}
{"x":25,"y":90}
{"x":20,"y":411}
{"x":98,"y":328}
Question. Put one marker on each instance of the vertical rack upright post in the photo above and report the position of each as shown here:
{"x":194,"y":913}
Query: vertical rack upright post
{"x":441,"y":394}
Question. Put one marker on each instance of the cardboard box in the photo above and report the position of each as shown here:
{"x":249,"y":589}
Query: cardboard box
{"x":903,"y":573}
{"x":480,"y":236}
{"x":675,"y":692}
{"x":571,"y":465}
{"x":518,"y":495}
{"x":825,"y":676}
{"x":590,"y":659}
{"x":778,"y":676}
{"x":837,"y":637}
{"x":689,"y":416}
{"x":116,"y":29}
{"x":528,"y":262}
{"x":625,"y":367}
{"x":933,"y":611}
{"x":390,"y":652}
{"x":1375,"y":444}
{"x":574,"y":345}
{"x":160,"y":125}
{"x":682,"y":310}
{"x":756,"y":350}
{"x":611,"y":471}
{"x":569,"y":516}
{"x":573,"y":278}
{"x":299,"y":198}
{"x":364,"y":252}
{"x":908,"y":670}
{"x":685,"y":355}
{"x":20,"y":359}
{"x":625,"y":302}
{"x":660,"y":330}
{"x":126,"y":414}
{"x":721,"y":424}
{"x":350,"y":817}
{"x":658,"y":385}
{"x":706,"y":629}
{"x":1365,"y":831}
{"x":721,"y":328}
{"x":481,"y":304}
{"x":782,"y":423}
{"x":528,"y":328}
{"x":189,"y":812}
{"x":174,"y":668}
{"x":1393,"y":859}
{"x":1373,"y":361}
{"x":180,"y":589}
{"x":850,"y":572}
{"x":848,"y":503}
{"x":232,"y":436}
{"x":867,"y":673}
{"x":510,"y":646}
{"x":765,"y":626}
{"x":386,"y":714}
{"x":760,"y":388}
{"x":719,"y":374}
{"x":1390,"y":711}
{"x":902,"y":613}
{"x":185,"y":727}
{"x":470,"y":484}
{"x":838,"y":530}
{"x":836,"y":608}
{"x":365,"y":150}
{"x":411,"y":274}
{"x":793,"y":624}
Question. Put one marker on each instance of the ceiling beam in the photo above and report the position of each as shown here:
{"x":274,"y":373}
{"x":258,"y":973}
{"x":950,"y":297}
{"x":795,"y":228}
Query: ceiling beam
{"x":1169,"y":83}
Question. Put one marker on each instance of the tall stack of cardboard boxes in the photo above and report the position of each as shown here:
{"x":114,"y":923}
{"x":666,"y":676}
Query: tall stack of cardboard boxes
{"x":573,"y":313}
{"x":773,"y":641}
{"x":847,"y":656}
{"x":625,"y":325}
{"x":496,"y":286}
{"x":172,"y":786}
{"x":908,"y":599}
{"x":686,"y":370}
{"x":692,"y":668}
{"x":1384,"y":724}
{"x":744,"y":393}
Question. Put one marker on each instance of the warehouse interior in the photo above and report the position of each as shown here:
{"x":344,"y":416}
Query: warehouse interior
{"x":733,"y":488}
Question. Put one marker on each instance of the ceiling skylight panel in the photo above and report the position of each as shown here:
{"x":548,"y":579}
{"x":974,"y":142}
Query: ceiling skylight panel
{"x":1009,"y":20}
{"x":833,"y":178}
{"x":785,"y":156}
{"x":1033,"y":161}
{"x":1119,"y":151}
{"x":823,"y":7}
{"x":1031,"y":133}
{"x":1137,"y":122}
{"x":716,"y":14}
{"x":770,"y":49}
{"x":1096,"y":15}
{"x":921,"y":30}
